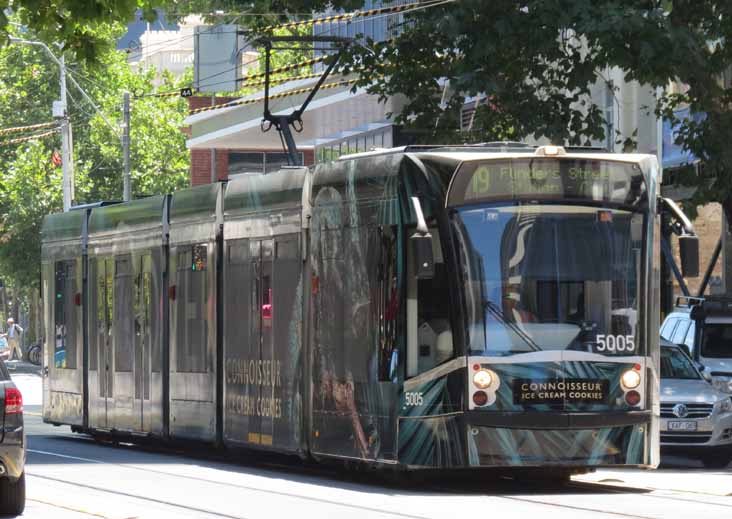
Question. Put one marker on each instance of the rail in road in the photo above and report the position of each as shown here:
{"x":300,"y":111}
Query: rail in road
{"x":72,"y":473}
{"x":71,"y":476}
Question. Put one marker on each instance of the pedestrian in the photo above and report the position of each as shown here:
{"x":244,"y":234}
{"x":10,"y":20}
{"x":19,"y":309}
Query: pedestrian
{"x":14,"y":334}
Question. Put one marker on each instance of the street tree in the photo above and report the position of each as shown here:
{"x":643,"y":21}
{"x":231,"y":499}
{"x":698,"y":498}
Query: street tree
{"x":534,"y":62}
{"x":30,"y":181}
{"x":76,"y":25}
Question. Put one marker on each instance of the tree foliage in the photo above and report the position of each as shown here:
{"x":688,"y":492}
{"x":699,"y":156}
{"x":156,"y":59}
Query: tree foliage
{"x":30,"y":185}
{"x":535,"y":62}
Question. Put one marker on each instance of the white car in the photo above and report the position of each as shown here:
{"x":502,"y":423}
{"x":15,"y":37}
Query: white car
{"x":696,"y":417}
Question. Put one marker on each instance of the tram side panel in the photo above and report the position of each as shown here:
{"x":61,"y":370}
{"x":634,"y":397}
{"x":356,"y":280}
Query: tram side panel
{"x":194,"y":226}
{"x":357,"y":273}
{"x":62,"y":285}
{"x":263,"y":284}
{"x":125,"y":250}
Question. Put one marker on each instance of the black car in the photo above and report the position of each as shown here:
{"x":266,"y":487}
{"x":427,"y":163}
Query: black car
{"x":12,"y":447}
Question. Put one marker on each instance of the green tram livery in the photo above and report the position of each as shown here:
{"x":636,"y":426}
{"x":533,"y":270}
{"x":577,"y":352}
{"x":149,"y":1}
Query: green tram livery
{"x":417,"y":307}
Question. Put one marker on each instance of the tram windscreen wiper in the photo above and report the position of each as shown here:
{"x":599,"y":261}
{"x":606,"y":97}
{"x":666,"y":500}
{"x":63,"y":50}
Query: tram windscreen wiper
{"x":497,"y":312}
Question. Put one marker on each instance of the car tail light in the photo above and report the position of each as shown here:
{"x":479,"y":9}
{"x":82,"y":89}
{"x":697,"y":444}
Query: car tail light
{"x":13,"y":401}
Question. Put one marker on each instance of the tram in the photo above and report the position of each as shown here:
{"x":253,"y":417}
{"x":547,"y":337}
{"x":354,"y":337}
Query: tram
{"x":443,"y":307}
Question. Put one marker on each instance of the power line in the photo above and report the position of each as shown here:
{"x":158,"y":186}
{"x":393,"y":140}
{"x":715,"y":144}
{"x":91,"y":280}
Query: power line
{"x":347,"y":16}
{"x":30,"y":138}
{"x":272,"y":96}
{"x":20,"y":129}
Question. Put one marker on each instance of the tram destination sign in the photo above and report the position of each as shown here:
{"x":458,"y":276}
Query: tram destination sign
{"x":543,"y":178}
{"x":557,"y":391}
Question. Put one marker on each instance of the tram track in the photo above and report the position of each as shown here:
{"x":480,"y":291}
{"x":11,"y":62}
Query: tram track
{"x":504,"y":489}
{"x":589,"y":488}
{"x":214,"y":513}
{"x":651,"y":492}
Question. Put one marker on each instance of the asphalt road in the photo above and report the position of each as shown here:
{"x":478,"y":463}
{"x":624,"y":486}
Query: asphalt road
{"x":71,"y":476}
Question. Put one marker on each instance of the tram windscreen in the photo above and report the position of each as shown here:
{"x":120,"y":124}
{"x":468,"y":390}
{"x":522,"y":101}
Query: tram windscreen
{"x":542,"y":276}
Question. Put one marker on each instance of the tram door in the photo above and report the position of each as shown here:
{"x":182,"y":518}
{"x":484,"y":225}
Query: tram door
{"x":104,"y":308}
{"x":260,"y":424}
{"x":142,"y":308}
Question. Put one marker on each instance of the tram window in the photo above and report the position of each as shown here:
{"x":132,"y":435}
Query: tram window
{"x":560,"y":301}
{"x":192,"y":326}
{"x":64,"y":314}
{"x":388,"y":303}
{"x":93,"y":316}
{"x":434,"y":333}
{"x":123,"y":314}
{"x":155,"y":313}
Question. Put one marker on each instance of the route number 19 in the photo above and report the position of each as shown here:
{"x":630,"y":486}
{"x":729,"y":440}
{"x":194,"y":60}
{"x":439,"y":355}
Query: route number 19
{"x":614,"y":343}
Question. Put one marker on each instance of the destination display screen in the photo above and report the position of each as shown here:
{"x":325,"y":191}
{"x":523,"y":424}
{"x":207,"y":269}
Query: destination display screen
{"x":548,"y":178}
{"x":558,"y":391}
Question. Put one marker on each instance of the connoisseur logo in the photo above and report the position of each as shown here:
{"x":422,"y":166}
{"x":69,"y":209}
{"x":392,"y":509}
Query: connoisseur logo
{"x":527,"y":391}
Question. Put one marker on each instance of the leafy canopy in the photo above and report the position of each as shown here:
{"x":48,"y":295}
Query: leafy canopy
{"x":535,"y":62}
{"x":30,"y":184}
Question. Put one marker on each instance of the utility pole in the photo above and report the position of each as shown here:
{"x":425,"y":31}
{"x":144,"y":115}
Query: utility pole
{"x":66,"y":146}
{"x":60,"y":112}
{"x":126,"y":145}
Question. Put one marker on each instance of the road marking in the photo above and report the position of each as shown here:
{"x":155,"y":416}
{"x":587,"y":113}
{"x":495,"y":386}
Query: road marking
{"x":56,"y":505}
{"x":66,"y":456}
{"x":31,"y":413}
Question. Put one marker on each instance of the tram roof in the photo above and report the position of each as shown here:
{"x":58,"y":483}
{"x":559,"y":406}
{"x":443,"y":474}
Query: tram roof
{"x":251,"y":193}
{"x":497,"y":152}
{"x":195,"y":202}
{"x":63,"y":226}
{"x":128,"y":216}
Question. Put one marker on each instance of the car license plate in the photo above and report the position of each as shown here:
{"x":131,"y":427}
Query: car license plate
{"x":682,"y":426}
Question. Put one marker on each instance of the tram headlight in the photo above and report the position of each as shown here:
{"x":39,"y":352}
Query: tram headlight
{"x":631,"y":379}
{"x":482,"y":379}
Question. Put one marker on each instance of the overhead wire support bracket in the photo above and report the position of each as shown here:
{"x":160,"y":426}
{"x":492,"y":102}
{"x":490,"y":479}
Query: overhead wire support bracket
{"x":283,"y":122}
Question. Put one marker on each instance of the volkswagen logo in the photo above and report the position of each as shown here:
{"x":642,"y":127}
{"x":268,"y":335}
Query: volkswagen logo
{"x":680,"y":410}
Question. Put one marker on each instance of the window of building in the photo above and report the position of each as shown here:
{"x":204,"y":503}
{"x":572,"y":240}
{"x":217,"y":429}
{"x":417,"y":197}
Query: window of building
{"x":257,"y":162}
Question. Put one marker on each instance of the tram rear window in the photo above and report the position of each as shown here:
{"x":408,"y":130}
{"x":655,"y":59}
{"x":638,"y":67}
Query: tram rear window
{"x":545,"y":179}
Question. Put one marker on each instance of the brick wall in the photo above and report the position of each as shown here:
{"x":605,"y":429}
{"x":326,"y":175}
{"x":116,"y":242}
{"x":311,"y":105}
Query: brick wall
{"x":201,"y":158}
{"x":201,"y":163}
{"x":708,"y":226}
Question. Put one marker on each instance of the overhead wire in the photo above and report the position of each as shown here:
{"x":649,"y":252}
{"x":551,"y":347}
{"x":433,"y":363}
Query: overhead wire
{"x":202,"y":82}
{"x":30,"y":138}
{"x":30,"y":127}
{"x":371,"y":14}
{"x":347,"y":16}
{"x":281,"y":95}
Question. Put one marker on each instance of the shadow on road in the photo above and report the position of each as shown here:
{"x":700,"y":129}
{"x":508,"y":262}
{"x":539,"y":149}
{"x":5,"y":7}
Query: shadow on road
{"x":80,"y":449}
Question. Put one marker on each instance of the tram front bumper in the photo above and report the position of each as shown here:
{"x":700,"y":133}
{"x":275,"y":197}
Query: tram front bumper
{"x":560,"y":439}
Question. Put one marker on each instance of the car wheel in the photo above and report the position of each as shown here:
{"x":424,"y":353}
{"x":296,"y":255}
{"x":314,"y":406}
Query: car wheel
{"x":718,"y":461}
{"x":12,"y":496}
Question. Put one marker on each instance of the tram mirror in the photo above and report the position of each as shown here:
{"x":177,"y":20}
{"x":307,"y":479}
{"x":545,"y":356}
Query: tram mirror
{"x":689,"y":252}
{"x":423,"y":258}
